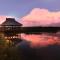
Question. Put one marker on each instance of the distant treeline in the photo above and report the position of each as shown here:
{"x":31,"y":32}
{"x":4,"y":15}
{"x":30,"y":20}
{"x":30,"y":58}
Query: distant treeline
{"x":29,"y":30}
{"x":36,"y":30}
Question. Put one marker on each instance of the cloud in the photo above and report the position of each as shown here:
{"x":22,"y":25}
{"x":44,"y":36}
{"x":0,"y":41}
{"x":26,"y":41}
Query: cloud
{"x":2,"y":19}
{"x":39,"y":17}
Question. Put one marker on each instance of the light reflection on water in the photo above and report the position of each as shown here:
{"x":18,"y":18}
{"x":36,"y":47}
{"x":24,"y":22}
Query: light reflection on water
{"x":42,"y":39}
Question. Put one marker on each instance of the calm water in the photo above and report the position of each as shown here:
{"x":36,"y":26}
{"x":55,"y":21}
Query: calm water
{"x":45,"y":47}
{"x":42,"y":39}
{"x":41,"y":47}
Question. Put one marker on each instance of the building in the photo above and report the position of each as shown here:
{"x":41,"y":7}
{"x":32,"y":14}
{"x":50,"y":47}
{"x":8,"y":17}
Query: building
{"x":10,"y":29}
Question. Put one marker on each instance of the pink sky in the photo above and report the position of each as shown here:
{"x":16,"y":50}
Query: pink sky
{"x":39,"y":17}
{"x":2,"y":19}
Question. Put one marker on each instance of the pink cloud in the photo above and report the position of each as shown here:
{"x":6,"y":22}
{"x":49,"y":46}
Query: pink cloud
{"x":2,"y":19}
{"x":39,"y":17}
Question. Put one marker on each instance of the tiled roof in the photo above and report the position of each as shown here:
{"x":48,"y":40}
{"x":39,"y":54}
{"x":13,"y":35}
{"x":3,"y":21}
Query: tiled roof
{"x":11,"y":21}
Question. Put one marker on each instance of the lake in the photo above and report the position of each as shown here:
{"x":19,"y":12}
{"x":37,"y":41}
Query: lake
{"x":43,"y":39}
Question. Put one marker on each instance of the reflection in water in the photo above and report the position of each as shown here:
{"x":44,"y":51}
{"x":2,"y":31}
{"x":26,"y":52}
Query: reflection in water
{"x":42,"y":39}
{"x":42,"y":48}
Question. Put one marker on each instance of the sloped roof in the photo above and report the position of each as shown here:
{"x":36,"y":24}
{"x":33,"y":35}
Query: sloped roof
{"x":11,"y":21}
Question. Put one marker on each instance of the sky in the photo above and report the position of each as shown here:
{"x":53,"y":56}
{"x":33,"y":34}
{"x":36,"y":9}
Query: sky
{"x":32,"y":13}
{"x":20,"y":8}
{"x":41,"y":17}
{"x":35,"y":12}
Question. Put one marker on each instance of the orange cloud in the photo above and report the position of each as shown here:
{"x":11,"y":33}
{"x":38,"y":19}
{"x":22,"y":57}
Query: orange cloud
{"x":39,"y":17}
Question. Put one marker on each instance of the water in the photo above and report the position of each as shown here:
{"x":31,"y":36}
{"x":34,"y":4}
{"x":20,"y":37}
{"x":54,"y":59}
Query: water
{"x":34,"y":47}
{"x":42,"y":39}
{"x":43,"y":47}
